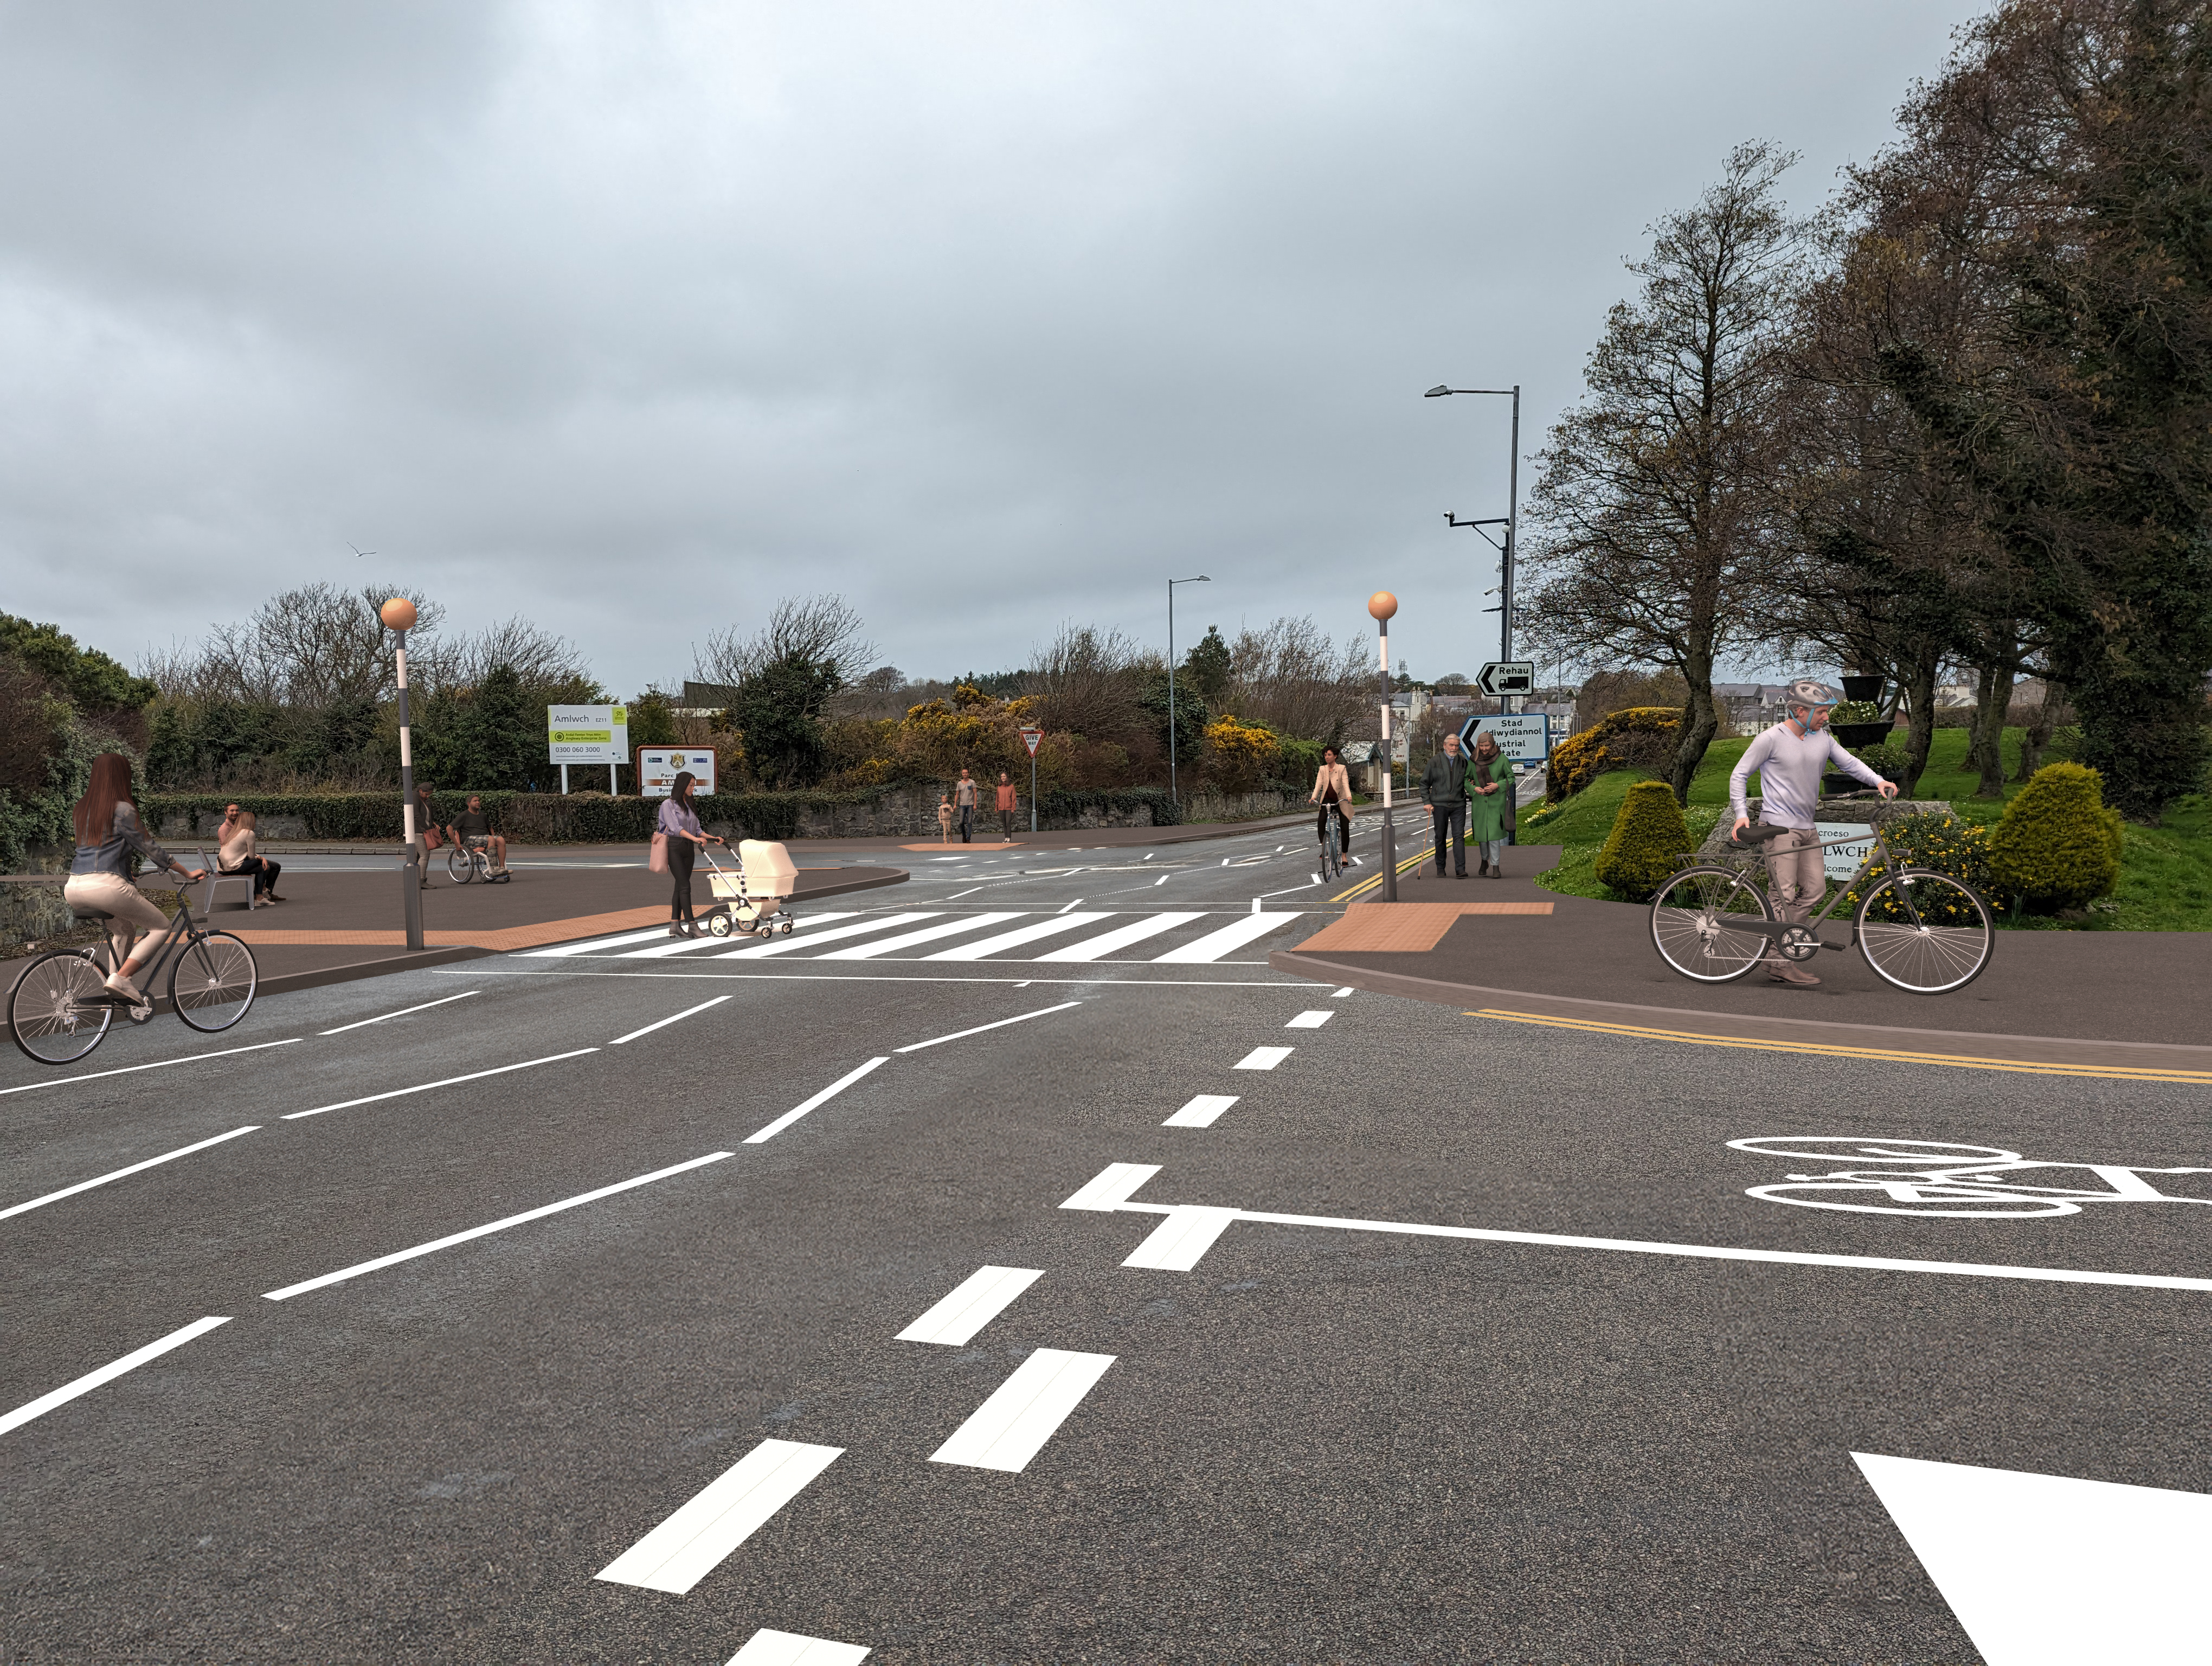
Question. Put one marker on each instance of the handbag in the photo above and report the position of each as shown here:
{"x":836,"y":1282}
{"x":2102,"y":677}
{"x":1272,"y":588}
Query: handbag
{"x":658,"y":861}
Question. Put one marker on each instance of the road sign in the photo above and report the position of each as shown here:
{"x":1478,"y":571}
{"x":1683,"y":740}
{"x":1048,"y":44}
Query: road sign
{"x":587,"y":734}
{"x":1524,"y":737}
{"x":658,"y":766}
{"x":1030,"y":738}
{"x":1508,"y":677}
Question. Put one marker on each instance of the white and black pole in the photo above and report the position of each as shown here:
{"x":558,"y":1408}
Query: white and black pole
{"x":1381,"y":607}
{"x":399,"y":614}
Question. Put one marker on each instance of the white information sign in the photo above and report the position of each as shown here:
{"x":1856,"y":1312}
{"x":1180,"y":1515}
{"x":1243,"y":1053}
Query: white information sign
{"x":1840,"y":861}
{"x":1524,"y":737}
{"x":587,"y":734}
{"x":658,"y":766}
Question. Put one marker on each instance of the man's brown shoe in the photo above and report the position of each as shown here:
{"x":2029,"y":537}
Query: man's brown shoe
{"x":1794,"y":976}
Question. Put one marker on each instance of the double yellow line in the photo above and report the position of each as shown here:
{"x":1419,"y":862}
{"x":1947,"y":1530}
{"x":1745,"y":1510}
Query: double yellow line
{"x":2019,"y":1067}
{"x":1375,"y":880}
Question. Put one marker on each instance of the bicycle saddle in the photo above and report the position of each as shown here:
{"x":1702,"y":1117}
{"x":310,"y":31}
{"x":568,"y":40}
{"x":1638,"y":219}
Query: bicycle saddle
{"x":1757,"y":833}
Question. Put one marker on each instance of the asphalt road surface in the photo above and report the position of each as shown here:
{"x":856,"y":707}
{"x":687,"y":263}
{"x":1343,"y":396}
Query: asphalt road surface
{"x":956,"y":1283}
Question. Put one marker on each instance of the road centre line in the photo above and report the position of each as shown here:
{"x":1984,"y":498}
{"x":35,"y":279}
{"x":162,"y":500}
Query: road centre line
{"x":485,"y":1230}
{"x":959,"y":1034}
{"x":450,"y":1081}
{"x":1309,"y":1020}
{"x":980,"y":1297}
{"x":136,"y":1168}
{"x":692,"y":1542}
{"x":1965,"y":1061}
{"x":1113,"y":1187}
{"x":673,"y":1017}
{"x":1009,"y":1428}
{"x":1342,"y":993}
{"x":158,"y":1064}
{"x":815,"y":1103}
{"x":107,"y":1373}
{"x":1180,"y":1241}
{"x":1263,"y":1058}
{"x":362,"y":1023}
{"x":768,"y":1648}
{"x":1201,"y":1112}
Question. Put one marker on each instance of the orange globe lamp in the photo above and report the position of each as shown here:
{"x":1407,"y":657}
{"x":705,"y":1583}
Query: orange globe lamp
{"x":1382,"y":607}
{"x":398,"y":614}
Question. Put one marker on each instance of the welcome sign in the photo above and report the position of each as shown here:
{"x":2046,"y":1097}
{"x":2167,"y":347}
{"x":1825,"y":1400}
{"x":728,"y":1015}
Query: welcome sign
{"x":658,"y":766}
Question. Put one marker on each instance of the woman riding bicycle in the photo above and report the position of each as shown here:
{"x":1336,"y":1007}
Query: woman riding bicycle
{"x":108,"y":831}
{"x":1331,"y":791}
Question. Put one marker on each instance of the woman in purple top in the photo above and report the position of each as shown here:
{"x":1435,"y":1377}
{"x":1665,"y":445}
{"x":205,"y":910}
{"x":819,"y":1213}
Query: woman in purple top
{"x":680,"y":822}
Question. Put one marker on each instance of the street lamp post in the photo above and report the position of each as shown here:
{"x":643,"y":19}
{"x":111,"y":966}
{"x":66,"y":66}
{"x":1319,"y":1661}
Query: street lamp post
{"x":1175,"y":796}
{"x":1381,"y":607}
{"x":1511,"y":523}
{"x":398,"y":614}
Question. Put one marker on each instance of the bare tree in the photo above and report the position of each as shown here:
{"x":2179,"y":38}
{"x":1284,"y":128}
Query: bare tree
{"x":311,"y":648}
{"x":820,"y":630}
{"x":1658,"y":495}
{"x":1290,"y":677}
{"x":540,"y":660}
{"x":1088,"y":682}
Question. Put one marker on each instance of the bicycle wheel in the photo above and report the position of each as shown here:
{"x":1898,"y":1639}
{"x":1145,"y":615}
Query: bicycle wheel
{"x":59,"y":1010}
{"x":1924,"y":932}
{"x":460,"y":867}
{"x":212,"y":984}
{"x":1703,"y":920}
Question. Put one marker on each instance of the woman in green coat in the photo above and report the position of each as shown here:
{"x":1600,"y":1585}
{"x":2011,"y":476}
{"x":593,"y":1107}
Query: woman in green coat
{"x":1490,"y":802}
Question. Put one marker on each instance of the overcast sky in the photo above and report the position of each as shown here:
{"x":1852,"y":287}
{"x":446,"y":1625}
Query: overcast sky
{"x":632,"y":317}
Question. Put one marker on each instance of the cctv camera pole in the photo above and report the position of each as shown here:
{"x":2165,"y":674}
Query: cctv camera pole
{"x":399,"y":613}
{"x":1380,"y":607}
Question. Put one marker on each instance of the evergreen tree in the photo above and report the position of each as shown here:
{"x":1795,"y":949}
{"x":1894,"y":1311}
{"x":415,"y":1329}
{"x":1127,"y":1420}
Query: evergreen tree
{"x":1206,"y":668}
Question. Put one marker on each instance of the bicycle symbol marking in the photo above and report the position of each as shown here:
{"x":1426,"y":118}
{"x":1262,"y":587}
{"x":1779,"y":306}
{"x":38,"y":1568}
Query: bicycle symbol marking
{"x":1933,"y":1177}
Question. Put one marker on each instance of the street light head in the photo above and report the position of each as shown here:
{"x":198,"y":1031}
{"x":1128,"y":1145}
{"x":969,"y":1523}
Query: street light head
{"x":1436,"y":392}
{"x":399,"y":613}
{"x":1382,"y":607}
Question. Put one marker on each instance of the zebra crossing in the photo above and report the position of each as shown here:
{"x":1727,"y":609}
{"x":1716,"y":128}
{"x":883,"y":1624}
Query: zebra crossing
{"x":1197,"y":938}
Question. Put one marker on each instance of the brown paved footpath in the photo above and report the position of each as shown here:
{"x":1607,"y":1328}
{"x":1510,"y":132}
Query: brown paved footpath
{"x":2107,"y":1002}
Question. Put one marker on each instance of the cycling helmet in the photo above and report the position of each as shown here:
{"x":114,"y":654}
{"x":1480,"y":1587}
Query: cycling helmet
{"x":1806,"y":692}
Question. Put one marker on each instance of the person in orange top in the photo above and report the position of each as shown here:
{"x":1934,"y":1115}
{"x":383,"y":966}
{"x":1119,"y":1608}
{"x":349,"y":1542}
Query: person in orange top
{"x":1006,"y":808}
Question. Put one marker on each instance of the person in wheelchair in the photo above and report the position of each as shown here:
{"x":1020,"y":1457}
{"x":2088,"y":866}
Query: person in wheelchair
{"x":474,"y":830}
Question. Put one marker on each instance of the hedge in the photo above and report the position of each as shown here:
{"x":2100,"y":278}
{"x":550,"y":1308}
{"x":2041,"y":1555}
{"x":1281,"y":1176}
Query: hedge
{"x":2056,"y":845}
{"x":1647,"y":843}
{"x":1640,"y":737}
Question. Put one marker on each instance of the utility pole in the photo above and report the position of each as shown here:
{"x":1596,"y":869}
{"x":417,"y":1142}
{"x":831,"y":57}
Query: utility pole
{"x":399,"y":614}
{"x":1512,"y":522}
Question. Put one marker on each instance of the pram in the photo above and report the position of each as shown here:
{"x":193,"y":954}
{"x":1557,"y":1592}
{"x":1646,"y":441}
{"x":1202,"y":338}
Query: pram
{"x":751,"y":900}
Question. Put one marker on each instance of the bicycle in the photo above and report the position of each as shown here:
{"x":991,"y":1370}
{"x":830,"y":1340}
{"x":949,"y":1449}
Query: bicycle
{"x":470,"y":860}
{"x":1331,"y":854}
{"x":60,"y":1009}
{"x":1921,"y":931}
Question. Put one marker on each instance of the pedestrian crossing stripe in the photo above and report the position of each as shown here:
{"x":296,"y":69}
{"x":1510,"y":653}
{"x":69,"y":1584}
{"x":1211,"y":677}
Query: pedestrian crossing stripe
{"x":856,"y":939}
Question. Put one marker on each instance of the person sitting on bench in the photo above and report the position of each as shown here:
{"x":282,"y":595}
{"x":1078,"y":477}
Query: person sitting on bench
{"x":474,"y":827}
{"x":234,"y":854}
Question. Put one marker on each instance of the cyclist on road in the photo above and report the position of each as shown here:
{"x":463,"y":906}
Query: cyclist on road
{"x":108,"y":831}
{"x":1788,"y":758}
{"x":1331,"y":791}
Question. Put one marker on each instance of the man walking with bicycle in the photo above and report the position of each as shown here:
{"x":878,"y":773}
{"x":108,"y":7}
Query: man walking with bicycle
{"x":1788,"y":758}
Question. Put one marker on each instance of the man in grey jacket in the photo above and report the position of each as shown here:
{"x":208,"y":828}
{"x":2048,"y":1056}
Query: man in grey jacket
{"x":1443,"y":789}
{"x":1788,"y":758}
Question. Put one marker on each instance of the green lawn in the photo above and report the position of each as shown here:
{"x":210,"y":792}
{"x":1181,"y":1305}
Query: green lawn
{"x":2166,"y":871}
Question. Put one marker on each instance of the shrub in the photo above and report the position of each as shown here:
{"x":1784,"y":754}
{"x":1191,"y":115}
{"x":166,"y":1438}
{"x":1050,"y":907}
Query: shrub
{"x":1640,"y":737}
{"x":1647,"y":842}
{"x":2056,"y":845}
{"x":1925,"y":839}
{"x":1242,"y":753}
{"x":1887,"y":760}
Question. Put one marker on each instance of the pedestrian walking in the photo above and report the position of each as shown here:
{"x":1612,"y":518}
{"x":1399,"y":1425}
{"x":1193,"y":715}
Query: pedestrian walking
{"x":1489,"y":804}
{"x":1007,"y":808}
{"x":426,"y":823}
{"x":234,"y":854}
{"x":944,"y":819}
{"x":1443,"y":789}
{"x":679,"y":824}
{"x":963,"y":799}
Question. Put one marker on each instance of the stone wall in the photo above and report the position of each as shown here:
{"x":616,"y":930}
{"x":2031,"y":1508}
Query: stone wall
{"x":1844,"y":813}
{"x":911,"y":813}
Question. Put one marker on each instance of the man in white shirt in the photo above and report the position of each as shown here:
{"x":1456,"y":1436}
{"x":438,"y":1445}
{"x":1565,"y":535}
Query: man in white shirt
{"x":1788,"y":758}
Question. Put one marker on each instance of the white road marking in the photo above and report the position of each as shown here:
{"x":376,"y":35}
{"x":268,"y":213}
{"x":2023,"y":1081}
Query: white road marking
{"x":1121,"y":937}
{"x":2052,"y":1571}
{"x":769,"y":1648}
{"x":1163,"y":879}
{"x":363,"y":1024}
{"x":107,"y":1373}
{"x":803,"y":939}
{"x":1112,"y":1186}
{"x":1263,"y":1058}
{"x":691,"y":1543}
{"x":136,"y":1168}
{"x":1342,"y":993}
{"x":1309,"y":1020}
{"x":980,"y":1297}
{"x":666,"y":949}
{"x":1235,"y":935}
{"x":1019,"y":935}
{"x":158,"y":1064}
{"x":1176,"y":1244}
{"x":1201,"y":1112}
{"x":1077,"y":901}
{"x":485,"y":1230}
{"x":593,"y":945}
{"x":958,"y":1035}
{"x":673,"y":1017}
{"x":926,"y":934}
{"x":1009,"y":1428}
{"x":815,"y":1103}
{"x":450,"y":1081}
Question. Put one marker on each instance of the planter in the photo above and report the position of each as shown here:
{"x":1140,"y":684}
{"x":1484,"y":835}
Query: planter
{"x":1863,"y":688}
{"x":1856,"y":735}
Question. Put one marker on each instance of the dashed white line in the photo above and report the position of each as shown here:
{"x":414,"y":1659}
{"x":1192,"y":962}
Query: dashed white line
{"x":1177,"y":1243}
{"x":363,"y":1024}
{"x":136,"y":1168}
{"x":769,"y":1648}
{"x":1009,"y":1428}
{"x":979,"y":1299}
{"x":1201,"y":1112}
{"x":1308,"y":1020}
{"x":158,"y":1064}
{"x":815,"y":1103}
{"x":450,"y":1081}
{"x":1112,"y":1186}
{"x":673,"y":1017}
{"x":959,"y":1034}
{"x":1263,"y":1058}
{"x":1342,"y":993}
{"x":691,"y":1543}
{"x":107,"y":1373}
